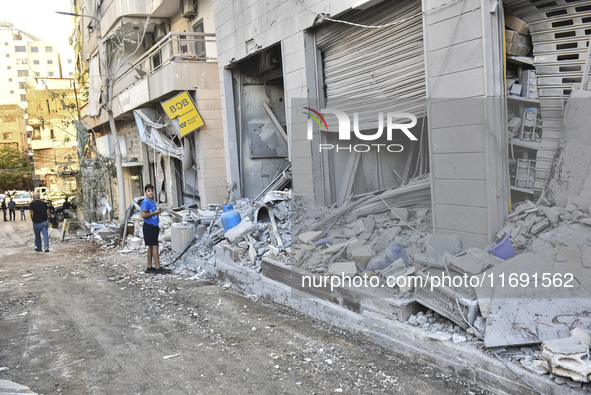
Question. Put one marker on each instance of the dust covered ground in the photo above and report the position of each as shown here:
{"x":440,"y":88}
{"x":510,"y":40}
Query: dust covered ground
{"x":85,"y":320}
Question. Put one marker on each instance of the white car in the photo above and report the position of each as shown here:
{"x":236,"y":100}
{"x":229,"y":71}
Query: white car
{"x":22,"y":200}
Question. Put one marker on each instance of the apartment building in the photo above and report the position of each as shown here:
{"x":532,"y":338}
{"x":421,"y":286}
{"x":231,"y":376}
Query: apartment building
{"x":52,"y":107}
{"x":23,"y":56}
{"x":169,"y":50}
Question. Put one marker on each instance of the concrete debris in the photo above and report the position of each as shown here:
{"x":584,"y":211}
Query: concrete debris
{"x":584,"y":335}
{"x":441,"y":336}
{"x":438,"y":245}
{"x":237,"y":233}
{"x":472,"y":261}
{"x":182,"y":234}
{"x":568,"y":357}
{"x":342,"y":269}
{"x":10,"y":387}
{"x":359,"y":253}
{"x":308,"y":237}
{"x":537,"y":366}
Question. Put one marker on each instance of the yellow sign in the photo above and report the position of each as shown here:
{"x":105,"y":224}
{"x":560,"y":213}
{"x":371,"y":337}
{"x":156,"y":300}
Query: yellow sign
{"x":182,"y":106}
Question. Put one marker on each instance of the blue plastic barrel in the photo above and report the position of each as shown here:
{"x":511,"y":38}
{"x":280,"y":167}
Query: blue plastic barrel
{"x":395,"y":251}
{"x":230,"y":217}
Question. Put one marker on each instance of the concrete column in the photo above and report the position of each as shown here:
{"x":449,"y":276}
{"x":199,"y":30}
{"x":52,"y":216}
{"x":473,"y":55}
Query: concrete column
{"x":467,"y":140}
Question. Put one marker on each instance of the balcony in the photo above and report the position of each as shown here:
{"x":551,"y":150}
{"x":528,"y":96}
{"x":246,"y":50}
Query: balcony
{"x":177,"y":62}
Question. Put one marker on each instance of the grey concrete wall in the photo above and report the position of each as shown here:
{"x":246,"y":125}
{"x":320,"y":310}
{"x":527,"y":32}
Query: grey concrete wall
{"x":244,"y":27}
{"x":465,"y":122}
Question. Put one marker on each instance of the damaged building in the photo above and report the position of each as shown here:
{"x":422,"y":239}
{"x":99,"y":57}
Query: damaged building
{"x":377,"y":140}
{"x":157,"y":52}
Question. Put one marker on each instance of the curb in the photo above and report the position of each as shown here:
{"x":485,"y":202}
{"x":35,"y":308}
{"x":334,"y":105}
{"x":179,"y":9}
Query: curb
{"x":463,"y":360}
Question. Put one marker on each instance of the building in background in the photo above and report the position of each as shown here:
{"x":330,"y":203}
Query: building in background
{"x":12,"y":127}
{"x":23,"y":56}
{"x":52,"y":107}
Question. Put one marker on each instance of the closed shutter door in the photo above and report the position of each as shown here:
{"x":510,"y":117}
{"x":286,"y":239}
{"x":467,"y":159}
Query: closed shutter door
{"x":383,"y":69}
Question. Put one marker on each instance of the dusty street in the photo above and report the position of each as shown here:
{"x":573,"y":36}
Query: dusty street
{"x":84,"y":320}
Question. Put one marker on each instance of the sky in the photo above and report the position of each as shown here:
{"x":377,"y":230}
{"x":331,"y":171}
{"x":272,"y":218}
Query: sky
{"x":38,"y":17}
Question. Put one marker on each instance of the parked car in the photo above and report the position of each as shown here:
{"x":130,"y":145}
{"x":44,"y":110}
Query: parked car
{"x":22,"y":199}
{"x":59,"y":208}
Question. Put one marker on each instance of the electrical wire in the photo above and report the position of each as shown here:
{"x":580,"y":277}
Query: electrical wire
{"x":394,"y":23}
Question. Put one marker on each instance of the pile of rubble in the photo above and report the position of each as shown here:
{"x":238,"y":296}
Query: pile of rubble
{"x":528,"y":224}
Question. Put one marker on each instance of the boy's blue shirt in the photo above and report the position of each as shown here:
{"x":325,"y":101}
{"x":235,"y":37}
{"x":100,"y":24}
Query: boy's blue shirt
{"x":150,"y":207}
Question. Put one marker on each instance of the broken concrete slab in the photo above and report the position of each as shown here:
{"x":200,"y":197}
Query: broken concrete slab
{"x":568,"y":357}
{"x":521,"y":314}
{"x":552,"y":213}
{"x":570,"y":169}
{"x":438,"y":245}
{"x":440,"y":336}
{"x":536,"y":366}
{"x":342,"y":269}
{"x":245,"y":227}
{"x":540,"y":226}
{"x":472,"y":261}
{"x":354,"y":229}
{"x":583,"y":335}
{"x":359,"y":253}
{"x":10,"y":387}
{"x":309,"y":237}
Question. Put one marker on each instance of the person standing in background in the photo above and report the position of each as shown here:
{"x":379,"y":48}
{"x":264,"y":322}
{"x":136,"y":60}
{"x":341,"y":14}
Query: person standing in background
{"x":11,"y":210}
{"x":39,"y":215}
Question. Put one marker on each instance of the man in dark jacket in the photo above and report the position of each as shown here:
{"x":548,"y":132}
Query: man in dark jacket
{"x":39,"y":215}
{"x":4,"y":208}
{"x":11,"y":210}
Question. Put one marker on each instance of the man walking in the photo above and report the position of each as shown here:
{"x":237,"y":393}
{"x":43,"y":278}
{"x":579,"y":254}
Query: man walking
{"x":11,"y":209}
{"x":151,"y":230}
{"x":39,"y":214}
{"x":4,"y":208}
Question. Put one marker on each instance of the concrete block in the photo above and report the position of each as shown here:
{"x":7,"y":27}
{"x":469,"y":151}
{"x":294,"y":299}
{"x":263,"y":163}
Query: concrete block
{"x":359,"y":253}
{"x":167,"y":235}
{"x":438,"y":245}
{"x":342,"y":269}
{"x":473,"y":261}
{"x":229,"y":252}
{"x":552,"y":213}
{"x":309,"y":237}
{"x":244,"y":228}
{"x":354,"y":229}
{"x":399,"y":213}
{"x":181,"y":236}
{"x":540,"y":226}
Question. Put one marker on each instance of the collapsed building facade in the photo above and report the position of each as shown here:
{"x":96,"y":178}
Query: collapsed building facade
{"x":155,"y":51}
{"x":446,"y":63}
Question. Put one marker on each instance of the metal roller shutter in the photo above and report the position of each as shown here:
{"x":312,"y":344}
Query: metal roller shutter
{"x":373,"y":64}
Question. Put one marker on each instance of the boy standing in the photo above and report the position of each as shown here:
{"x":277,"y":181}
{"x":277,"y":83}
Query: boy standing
{"x":151,"y":230}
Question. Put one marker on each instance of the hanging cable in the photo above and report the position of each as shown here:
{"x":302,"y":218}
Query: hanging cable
{"x":394,"y":23}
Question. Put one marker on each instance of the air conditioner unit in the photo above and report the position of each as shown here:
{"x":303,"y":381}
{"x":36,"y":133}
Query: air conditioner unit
{"x":148,"y":41}
{"x":159,"y":32}
{"x":188,"y":8}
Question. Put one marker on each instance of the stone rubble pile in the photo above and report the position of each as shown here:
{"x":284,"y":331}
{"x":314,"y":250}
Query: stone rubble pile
{"x":528,"y":224}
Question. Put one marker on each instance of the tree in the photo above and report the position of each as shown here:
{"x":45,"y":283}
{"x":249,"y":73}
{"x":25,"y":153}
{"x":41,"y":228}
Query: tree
{"x":14,"y":166}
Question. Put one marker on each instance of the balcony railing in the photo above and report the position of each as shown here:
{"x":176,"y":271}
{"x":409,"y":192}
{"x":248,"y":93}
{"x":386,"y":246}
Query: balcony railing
{"x":174,"y":47}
